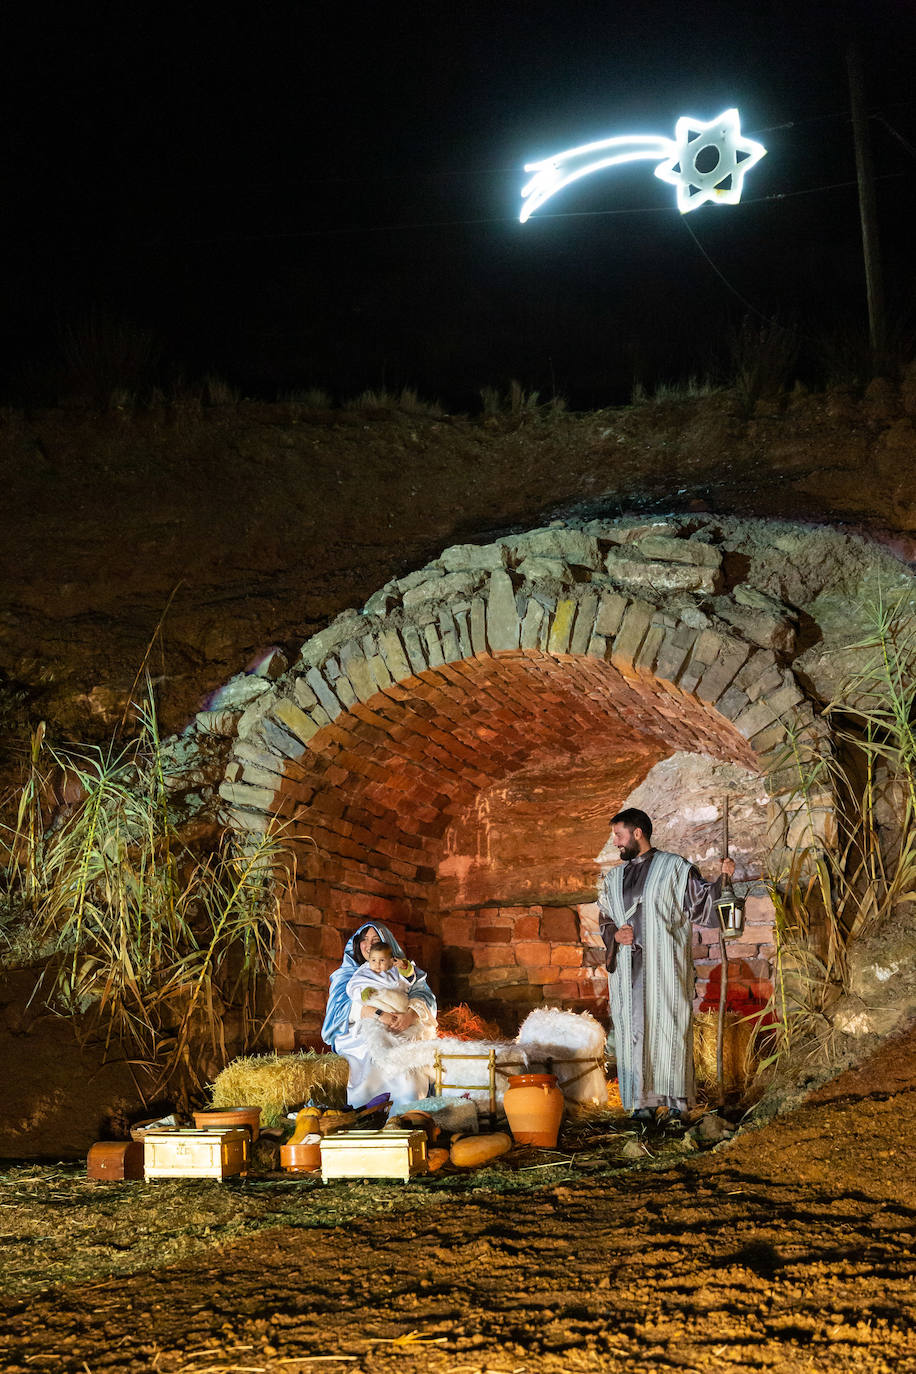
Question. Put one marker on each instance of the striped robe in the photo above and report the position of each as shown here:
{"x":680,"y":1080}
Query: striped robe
{"x":653,"y":1021}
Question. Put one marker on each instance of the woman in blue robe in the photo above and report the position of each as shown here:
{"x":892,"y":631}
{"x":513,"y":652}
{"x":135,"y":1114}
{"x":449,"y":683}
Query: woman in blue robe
{"x":337,"y":1015}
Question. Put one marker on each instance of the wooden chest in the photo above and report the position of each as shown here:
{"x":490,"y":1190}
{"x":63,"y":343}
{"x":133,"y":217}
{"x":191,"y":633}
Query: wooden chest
{"x":115,"y":1160}
{"x":196,"y":1154}
{"x":373,"y":1154}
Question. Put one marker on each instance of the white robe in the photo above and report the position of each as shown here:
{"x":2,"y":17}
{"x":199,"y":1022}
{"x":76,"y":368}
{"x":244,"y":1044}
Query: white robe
{"x":367,"y":1045}
{"x":653,"y":1019}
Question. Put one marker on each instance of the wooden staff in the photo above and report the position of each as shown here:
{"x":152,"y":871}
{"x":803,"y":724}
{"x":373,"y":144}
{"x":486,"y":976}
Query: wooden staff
{"x":723,"y":967}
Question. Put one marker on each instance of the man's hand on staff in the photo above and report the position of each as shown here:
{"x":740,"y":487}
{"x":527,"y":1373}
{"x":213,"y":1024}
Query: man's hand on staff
{"x":624,"y":935}
{"x":728,"y":867}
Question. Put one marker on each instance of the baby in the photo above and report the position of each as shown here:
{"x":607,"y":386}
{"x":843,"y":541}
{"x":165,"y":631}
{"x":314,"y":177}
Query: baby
{"x":381,"y":972}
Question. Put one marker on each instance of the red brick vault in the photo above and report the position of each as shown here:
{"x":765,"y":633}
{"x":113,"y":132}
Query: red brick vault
{"x":447,"y":762}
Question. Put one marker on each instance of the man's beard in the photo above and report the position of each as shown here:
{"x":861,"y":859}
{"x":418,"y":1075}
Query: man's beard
{"x":629,"y":851}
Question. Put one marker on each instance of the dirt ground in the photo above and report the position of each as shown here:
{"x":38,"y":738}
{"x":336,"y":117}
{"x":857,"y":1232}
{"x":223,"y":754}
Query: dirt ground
{"x":790,"y":1248}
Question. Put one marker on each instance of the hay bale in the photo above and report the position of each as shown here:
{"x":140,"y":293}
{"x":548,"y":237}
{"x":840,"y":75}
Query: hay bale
{"x":277,"y":1082}
{"x":737,"y":1049}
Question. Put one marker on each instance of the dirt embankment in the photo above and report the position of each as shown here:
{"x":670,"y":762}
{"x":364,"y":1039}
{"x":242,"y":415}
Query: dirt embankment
{"x":256,"y":524}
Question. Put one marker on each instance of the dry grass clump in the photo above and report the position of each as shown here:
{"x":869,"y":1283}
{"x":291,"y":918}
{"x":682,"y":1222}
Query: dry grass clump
{"x":738,"y":1062}
{"x":277,"y":1082}
{"x":460,"y":1023}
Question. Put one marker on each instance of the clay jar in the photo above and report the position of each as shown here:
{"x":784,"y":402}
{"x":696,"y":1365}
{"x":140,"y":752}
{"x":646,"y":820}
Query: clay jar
{"x":230,"y":1116}
{"x":534,"y":1108}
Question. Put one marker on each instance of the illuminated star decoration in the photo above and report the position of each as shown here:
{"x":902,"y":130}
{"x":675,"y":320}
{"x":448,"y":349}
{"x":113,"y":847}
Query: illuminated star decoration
{"x":704,"y":161}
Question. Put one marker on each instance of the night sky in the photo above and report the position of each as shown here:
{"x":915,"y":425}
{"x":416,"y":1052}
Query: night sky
{"x":294,"y":195}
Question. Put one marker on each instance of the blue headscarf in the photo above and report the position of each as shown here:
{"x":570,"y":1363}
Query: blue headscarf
{"x":337,"y":1015}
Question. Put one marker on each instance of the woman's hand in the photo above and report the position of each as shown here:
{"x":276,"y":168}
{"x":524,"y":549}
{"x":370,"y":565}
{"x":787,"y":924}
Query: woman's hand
{"x":400,"y":1020}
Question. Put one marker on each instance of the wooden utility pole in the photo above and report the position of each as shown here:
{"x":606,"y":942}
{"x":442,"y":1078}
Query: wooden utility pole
{"x":874,"y":282}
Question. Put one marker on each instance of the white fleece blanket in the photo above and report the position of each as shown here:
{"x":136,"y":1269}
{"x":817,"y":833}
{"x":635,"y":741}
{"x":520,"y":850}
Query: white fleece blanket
{"x":569,"y":1039}
{"x":473,"y":1074}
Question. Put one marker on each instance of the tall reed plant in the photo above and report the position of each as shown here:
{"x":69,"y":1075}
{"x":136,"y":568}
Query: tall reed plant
{"x":837,"y":889}
{"x":152,"y":943}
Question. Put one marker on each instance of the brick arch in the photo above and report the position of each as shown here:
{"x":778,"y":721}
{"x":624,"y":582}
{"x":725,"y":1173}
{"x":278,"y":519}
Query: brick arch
{"x":394,"y":724}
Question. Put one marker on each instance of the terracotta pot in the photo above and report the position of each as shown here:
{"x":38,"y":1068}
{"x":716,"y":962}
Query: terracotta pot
{"x":301,"y":1158}
{"x":230,"y":1116}
{"x":534,"y":1108}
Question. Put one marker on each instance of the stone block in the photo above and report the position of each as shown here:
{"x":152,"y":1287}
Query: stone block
{"x":414,"y":648}
{"x":323,"y":692}
{"x":721,"y":673}
{"x":223,"y":724}
{"x":244,"y":795}
{"x":732,"y":702}
{"x":673,"y":653}
{"x":250,"y":753}
{"x":382,"y":601}
{"x":353,"y":664}
{"x":451,"y":586}
{"x":280,"y":740}
{"x":531,"y":954}
{"x":316,"y":649}
{"x":487,"y":557}
{"x":630,"y":636}
{"x":585,"y":623}
{"x":531,"y":624}
{"x":378,"y":667}
{"x":545,"y":570}
{"x":644,"y":661}
{"x":433,"y":647}
{"x":448,"y":636}
{"x":611,"y":610}
{"x":303,"y":694}
{"x":569,"y":956}
{"x":572,"y":546}
{"x":294,"y":719}
{"x":417,"y":578}
{"x":561,"y":626}
{"x":478,"y":620}
{"x":241,"y":691}
{"x":559,"y":923}
{"x":630,"y":570}
{"x":502,"y":616}
{"x":691,"y":551}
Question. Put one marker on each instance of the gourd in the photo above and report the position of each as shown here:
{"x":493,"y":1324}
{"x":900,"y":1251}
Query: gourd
{"x":436,"y":1158}
{"x":473,"y":1150}
{"x":306,"y":1124}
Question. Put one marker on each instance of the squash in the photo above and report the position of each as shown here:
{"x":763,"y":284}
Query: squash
{"x":471,"y":1151}
{"x":436,"y":1158}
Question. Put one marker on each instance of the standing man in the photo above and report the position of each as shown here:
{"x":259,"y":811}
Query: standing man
{"x":648,"y":904}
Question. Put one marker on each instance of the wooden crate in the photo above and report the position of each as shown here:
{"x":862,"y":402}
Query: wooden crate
{"x":196,"y":1153}
{"x":373,"y":1154}
{"x":115,"y":1160}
